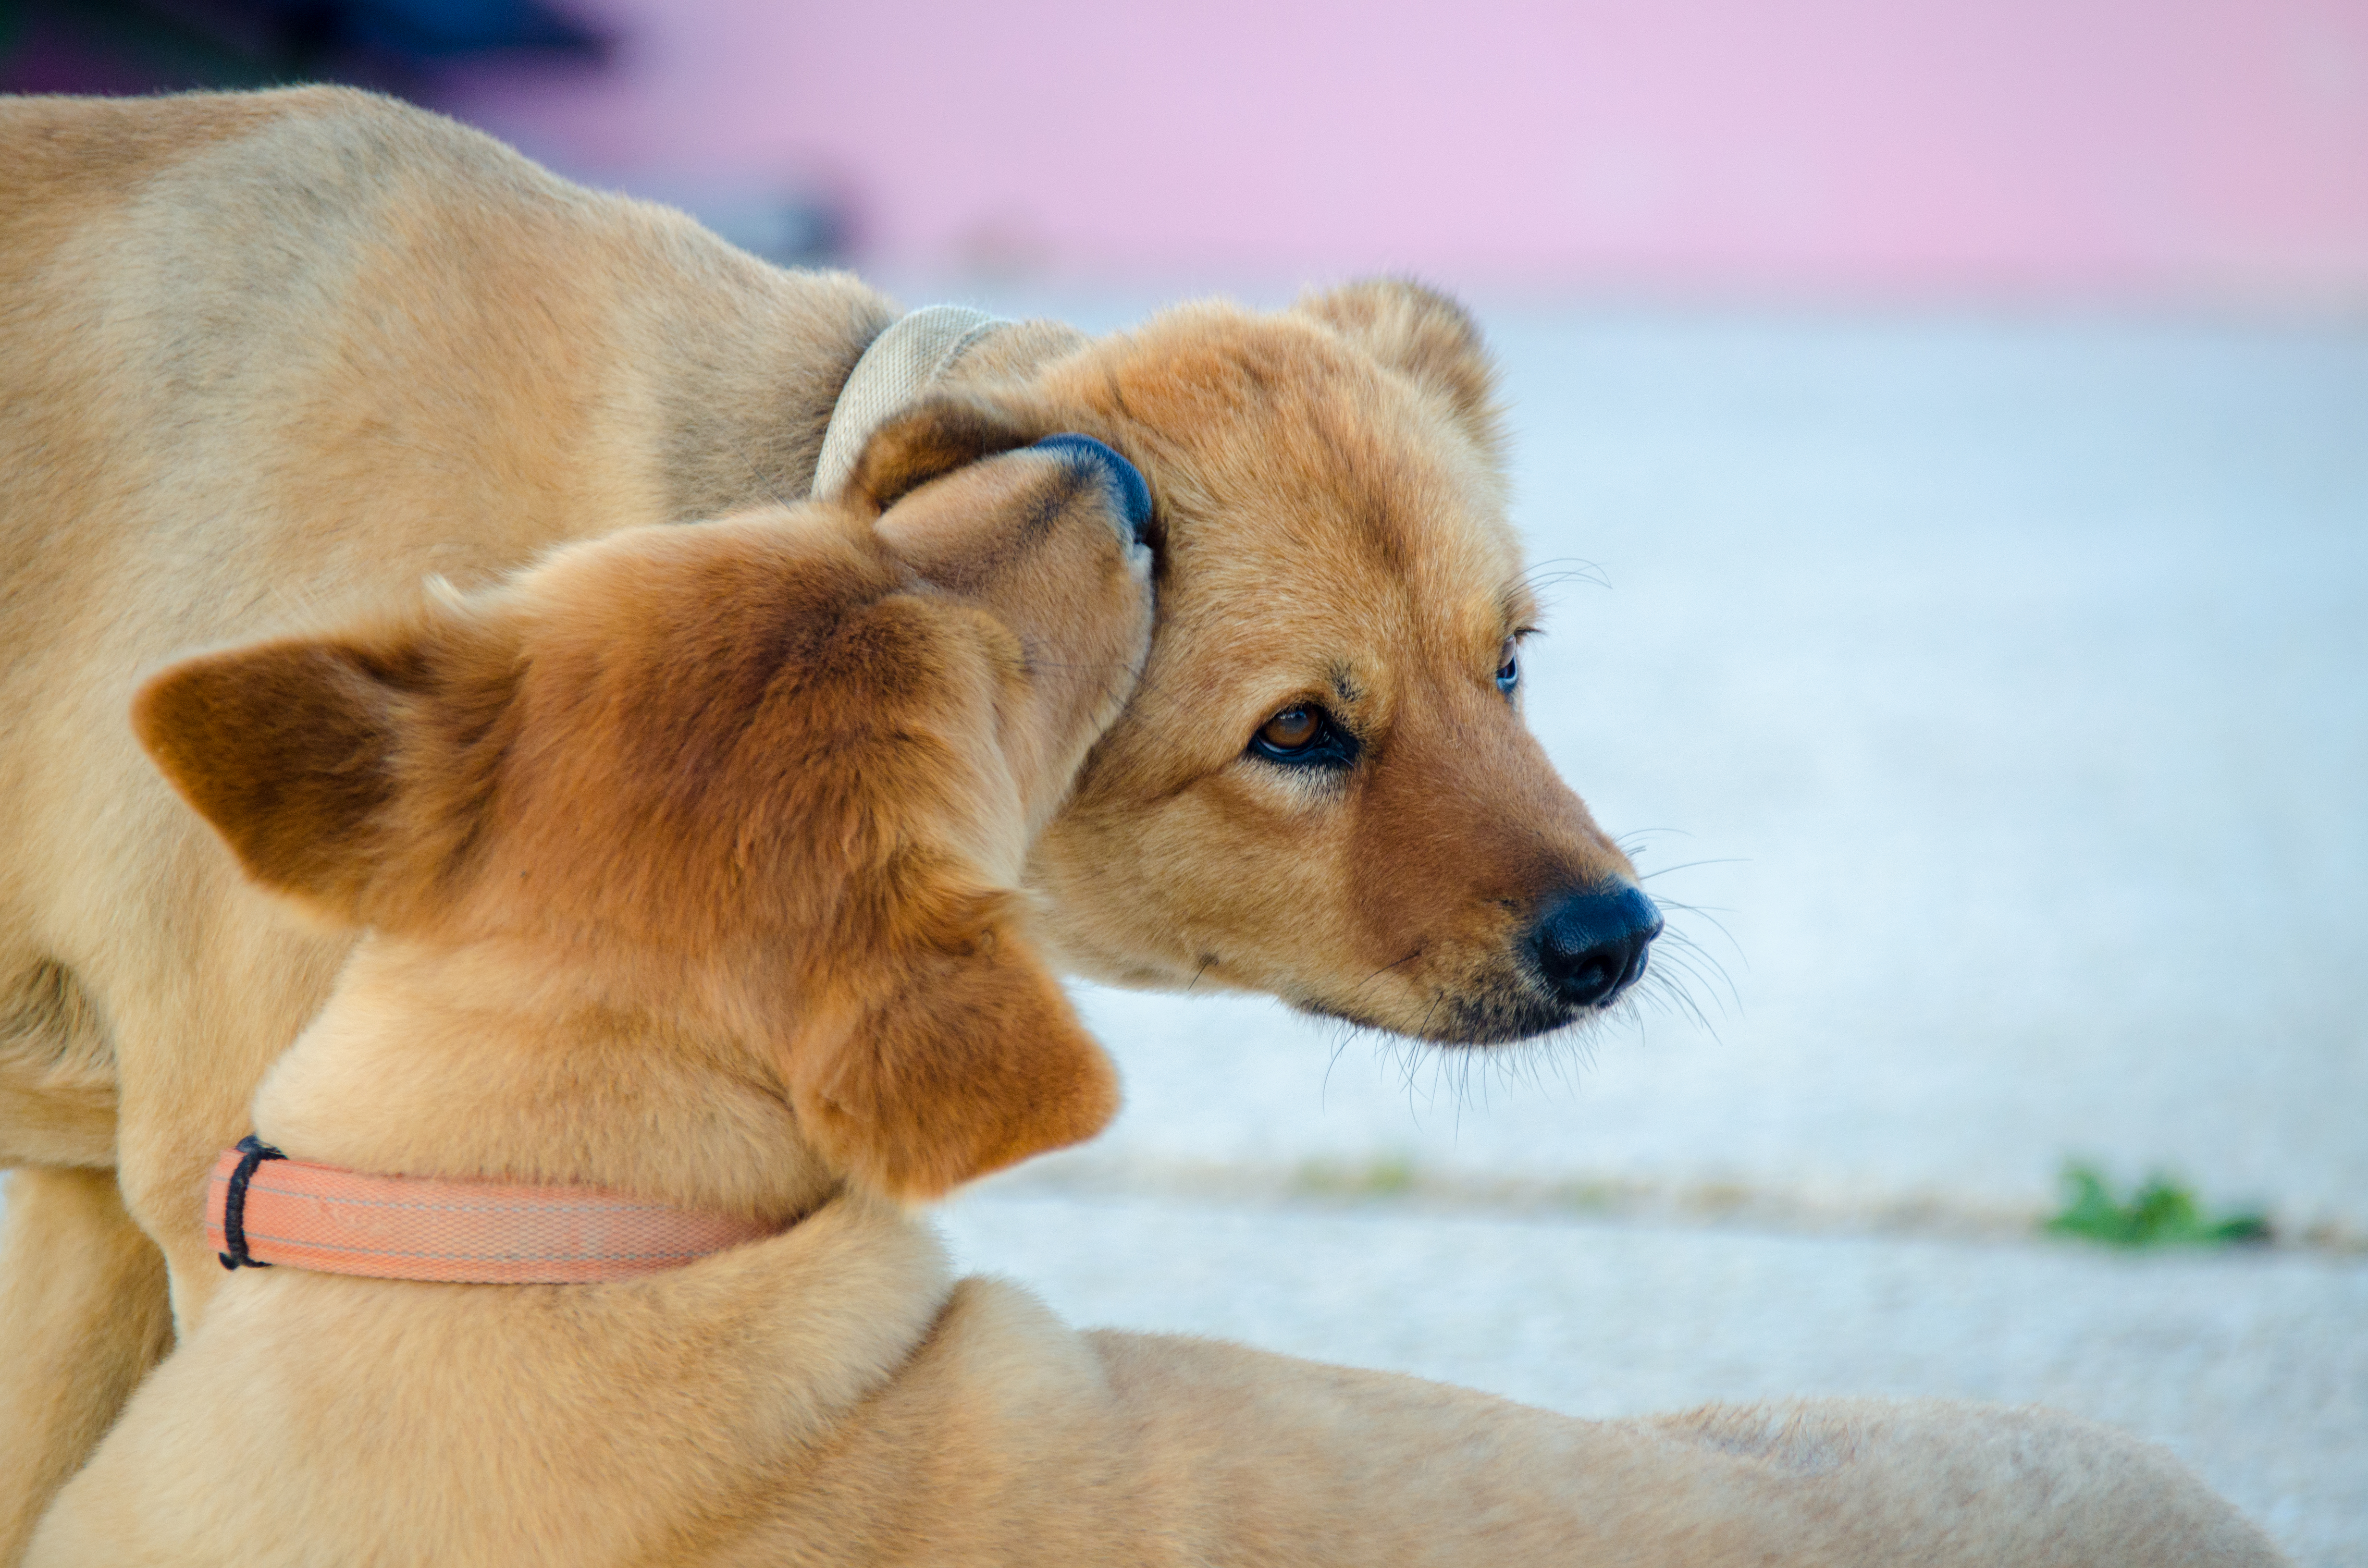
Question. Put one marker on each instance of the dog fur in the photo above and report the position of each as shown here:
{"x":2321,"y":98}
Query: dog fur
{"x":687,"y":864}
{"x":269,"y":362}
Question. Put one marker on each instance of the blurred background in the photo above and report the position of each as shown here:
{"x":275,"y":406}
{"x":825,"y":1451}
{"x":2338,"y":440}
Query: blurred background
{"x":1945,"y":431}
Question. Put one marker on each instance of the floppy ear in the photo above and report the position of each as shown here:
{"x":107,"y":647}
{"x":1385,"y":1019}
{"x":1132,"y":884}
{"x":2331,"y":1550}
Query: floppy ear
{"x":970,"y":1062}
{"x":1424,"y":334}
{"x":297,"y":752}
{"x":937,"y":434}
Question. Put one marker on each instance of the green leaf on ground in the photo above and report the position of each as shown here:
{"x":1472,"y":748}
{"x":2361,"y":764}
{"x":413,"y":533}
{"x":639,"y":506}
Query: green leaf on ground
{"x":2160,"y":1212}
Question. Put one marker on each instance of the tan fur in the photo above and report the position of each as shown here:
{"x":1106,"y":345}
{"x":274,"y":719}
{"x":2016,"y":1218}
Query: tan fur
{"x":268,"y":363}
{"x":110,"y":1273}
{"x":677,"y":857}
{"x":1336,"y":536}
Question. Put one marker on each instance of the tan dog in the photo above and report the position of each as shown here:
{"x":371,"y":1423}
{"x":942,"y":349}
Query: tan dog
{"x":267,"y":361}
{"x":686,"y":862}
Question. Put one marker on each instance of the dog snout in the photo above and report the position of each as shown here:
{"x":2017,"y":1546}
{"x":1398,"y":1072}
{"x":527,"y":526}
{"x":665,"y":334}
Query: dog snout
{"x":1130,"y":493}
{"x":1592,"y":946}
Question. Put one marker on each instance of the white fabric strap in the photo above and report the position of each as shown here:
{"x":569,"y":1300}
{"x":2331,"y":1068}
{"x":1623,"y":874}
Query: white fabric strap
{"x":899,"y":367}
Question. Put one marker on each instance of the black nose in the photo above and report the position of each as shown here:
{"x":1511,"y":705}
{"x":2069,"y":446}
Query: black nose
{"x":1592,"y":945}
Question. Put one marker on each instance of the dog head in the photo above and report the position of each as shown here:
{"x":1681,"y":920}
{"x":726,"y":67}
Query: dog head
{"x":1324,"y":788}
{"x":765,"y":784}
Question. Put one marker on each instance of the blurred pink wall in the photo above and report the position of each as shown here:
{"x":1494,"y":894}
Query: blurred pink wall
{"x":1819,"y":146}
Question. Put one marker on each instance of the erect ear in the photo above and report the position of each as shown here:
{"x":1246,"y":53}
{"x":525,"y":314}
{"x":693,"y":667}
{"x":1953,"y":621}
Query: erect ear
{"x":288,"y":750}
{"x":1423,"y":333}
{"x":936,"y":435}
{"x":971,"y":1061}
{"x":296,"y":752}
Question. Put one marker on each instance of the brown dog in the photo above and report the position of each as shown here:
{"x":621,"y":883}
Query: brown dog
{"x":269,"y":361}
{"x":686,"y":862}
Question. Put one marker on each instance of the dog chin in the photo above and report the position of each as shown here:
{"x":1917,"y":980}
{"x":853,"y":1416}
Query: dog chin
{"x":1494,"y":1016}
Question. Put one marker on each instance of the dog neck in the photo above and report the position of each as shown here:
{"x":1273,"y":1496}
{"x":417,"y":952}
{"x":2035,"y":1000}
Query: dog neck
{"x":922,"y":348}
{"x":481,"y":1064}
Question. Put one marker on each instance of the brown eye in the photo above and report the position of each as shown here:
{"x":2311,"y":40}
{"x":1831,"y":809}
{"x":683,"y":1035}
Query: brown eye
{"x":1289,"y":730}
{"x":1305,"y":735}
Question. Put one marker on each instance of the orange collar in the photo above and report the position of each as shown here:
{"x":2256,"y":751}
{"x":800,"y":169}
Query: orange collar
{"x":263,"y":1208}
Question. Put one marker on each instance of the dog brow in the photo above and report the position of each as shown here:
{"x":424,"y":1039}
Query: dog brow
{"x":1519,"y":605}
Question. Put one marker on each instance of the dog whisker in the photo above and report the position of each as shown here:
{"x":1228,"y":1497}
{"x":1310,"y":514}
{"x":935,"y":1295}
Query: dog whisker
{"x":1412,"y":954}
{"x":1692,"y":958}
{"x":1561,"y":569}
{"x":1708,"y":913}
{"x":1673,"y":983}
{"x":1679,"y":965}
{"x":1675,"y":998}
{"x":1690,"y":865}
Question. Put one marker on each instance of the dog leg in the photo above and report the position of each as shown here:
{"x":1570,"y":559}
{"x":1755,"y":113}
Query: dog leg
{"x":83,"y":1316}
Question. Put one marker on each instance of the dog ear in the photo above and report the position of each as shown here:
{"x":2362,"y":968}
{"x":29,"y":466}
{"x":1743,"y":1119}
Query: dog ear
{"x":295,"y":752}
{"x":970,"y":1061}
{"x":937,"y":434}
{"x":1426,"y":336}
{"x":288,"y":750}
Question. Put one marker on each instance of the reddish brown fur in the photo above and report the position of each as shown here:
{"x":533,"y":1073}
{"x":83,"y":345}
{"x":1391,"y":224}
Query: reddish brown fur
{"x":749,"y":751}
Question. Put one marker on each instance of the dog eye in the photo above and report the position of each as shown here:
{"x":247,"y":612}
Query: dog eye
{"x":1292,"y":729}
{"x":1304,"y":735}
{"x":1508,"y":670}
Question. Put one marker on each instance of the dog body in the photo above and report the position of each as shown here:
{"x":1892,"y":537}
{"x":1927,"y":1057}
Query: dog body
{"x":831,"y":1397}
{"x":687,"y":864}
{"x":267,"y":361}
{"x":262,"y":361}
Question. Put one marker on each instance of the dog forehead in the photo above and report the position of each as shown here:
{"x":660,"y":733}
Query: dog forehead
{"x":1275,"y":427}
{"x":1374,"y":539}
